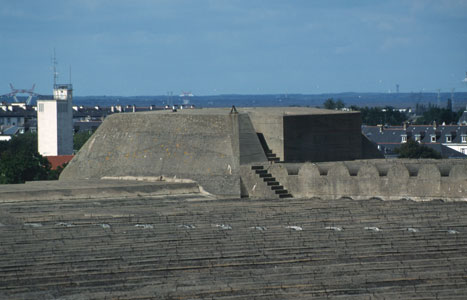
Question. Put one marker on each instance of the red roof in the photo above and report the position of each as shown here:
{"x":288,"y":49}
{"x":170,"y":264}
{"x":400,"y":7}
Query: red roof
{"x":57,"y":161}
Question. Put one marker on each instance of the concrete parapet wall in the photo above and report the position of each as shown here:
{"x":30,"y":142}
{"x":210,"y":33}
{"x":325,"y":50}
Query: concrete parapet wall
{"x":93,"y":189}
{"x":385,"y":179}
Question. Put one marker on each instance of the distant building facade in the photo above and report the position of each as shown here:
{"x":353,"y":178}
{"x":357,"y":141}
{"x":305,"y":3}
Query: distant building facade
{"x":463,"y":118}
{"x":55,"y":122}
{"x":449,"y":140}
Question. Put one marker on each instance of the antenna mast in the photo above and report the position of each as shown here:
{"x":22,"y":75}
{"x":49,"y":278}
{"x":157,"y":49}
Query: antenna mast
{"x":54,"y":64}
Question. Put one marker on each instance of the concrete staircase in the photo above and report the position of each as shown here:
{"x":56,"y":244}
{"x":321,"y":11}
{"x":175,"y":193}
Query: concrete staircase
{"x":275,"y":186}
{"x":271,"y":156}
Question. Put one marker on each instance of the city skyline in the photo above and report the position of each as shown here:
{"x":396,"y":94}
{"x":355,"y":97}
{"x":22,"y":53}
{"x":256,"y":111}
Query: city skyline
{"x":211,"y":47}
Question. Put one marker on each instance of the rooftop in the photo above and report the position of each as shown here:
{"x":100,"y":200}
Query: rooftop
{"x":192,"y":246}
{"x":260,"y":110}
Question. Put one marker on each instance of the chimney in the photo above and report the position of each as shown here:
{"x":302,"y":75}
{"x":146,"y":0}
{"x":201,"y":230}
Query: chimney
{"x":381,"y":127}
{"x":435,"y":126}
{"x":405,"y":125}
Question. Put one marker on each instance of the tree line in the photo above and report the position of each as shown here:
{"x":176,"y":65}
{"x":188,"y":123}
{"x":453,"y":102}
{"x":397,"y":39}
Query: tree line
{"x":388,"y":115}
{"x":20,"y":160}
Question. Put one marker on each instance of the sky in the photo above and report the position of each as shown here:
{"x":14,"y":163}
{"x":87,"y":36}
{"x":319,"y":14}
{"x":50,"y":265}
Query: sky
{"x":211,"y":47}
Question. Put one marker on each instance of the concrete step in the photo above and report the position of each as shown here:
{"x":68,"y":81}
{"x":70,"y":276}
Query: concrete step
{"x":257,"y":167}
{"x":265,"y":175}
{"x":273,"y":183}
{"x":285,"y":196}
{"x":269,"y":179}
{"x":281,"y":191}
{"x":277,"y":187}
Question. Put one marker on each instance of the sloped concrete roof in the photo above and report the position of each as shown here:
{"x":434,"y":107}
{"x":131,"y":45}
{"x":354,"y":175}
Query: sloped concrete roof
{"x":193,"y":247}
{"x":207,"y":148}
{"x":262,"y":110}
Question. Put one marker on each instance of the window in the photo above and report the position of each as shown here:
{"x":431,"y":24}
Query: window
{"x":448,"y":138}
{"x":41,"y":107}
{"x":464,"y":138}
{"x":404,"y":138}
{"x":418,"y":138}
{"x":433,"y":138}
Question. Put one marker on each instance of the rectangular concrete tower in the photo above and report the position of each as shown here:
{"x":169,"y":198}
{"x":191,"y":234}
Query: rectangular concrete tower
{"x":55,"y":122}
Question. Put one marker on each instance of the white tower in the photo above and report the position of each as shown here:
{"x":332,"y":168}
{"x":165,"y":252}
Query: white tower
{"x":55,"y":122}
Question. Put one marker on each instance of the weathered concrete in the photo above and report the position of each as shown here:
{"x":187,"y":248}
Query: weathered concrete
{"x":419,"y":180}
{"x":322,"y":137}
{"x":193,"y":247}
{"x":207,"y":146}
{"x":309,"y":134}
{"x":92,"y":189}
{"x":253,"y":186}
{"x":218,"y":149}
{"x":210,"y":145}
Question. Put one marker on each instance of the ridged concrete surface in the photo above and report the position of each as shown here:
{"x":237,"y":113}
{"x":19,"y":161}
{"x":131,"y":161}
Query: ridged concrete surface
{"x":193,"y":247}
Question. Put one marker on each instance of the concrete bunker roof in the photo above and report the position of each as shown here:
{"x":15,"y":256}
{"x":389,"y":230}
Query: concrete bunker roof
{"x":273,"y":111}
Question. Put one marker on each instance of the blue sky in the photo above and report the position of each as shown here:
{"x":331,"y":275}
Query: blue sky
{"x":150,"y":47}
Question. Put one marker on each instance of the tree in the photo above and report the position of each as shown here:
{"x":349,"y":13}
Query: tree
{"x":440,"y":115}
{"x":376,"y":115}
{"x":80,"y":138}
{"x":20,"y":161}
{"x":340,"y":104}
{"x":412,"y":149}
{"x":329,"y":104}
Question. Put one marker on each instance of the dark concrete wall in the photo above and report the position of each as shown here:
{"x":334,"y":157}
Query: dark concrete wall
{"x":370,"y":149}
{"x":331,"y":137}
